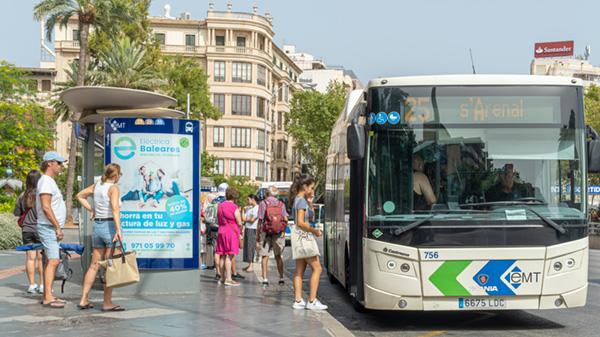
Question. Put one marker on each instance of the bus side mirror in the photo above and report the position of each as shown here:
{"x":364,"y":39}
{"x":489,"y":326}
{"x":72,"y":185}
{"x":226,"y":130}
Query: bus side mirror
{"x":593,"y":149}
{"x":355,"y":141}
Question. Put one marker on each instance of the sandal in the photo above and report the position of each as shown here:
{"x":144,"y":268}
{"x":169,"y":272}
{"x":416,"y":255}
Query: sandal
{"x":86,"y":306}
{"x":54,"y":305}
{"x":116,"y":308}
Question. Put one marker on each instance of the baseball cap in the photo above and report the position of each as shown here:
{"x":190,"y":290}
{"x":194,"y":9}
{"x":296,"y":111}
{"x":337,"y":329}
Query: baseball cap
{"x":222,"y":189}
{"x":53,"y":155}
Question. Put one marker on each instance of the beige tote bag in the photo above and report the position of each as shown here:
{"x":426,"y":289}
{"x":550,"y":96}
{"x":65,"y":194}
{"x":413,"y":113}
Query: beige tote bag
{"x":120,"y":270}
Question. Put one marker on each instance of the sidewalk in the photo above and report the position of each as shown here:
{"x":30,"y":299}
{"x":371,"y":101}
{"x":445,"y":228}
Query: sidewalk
{"x":248,"y":310}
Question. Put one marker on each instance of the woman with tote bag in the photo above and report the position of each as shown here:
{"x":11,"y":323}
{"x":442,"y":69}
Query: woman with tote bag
{"x":304,"y":243}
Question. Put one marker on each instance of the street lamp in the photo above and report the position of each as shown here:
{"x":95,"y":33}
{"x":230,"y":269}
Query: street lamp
{"x":307,"y":85}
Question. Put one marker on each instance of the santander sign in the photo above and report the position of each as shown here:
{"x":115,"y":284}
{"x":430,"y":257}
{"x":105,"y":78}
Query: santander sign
{"x":553,"y":49}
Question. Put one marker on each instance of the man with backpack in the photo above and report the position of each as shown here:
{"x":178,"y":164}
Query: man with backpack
{"x":272,"y":222}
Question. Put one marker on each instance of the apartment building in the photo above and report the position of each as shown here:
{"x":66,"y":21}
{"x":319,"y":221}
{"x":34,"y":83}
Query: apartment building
{"x":247,"y":72}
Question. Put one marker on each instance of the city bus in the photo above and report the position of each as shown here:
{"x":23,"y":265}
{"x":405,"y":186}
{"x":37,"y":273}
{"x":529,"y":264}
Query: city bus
{"x":461,"y":192}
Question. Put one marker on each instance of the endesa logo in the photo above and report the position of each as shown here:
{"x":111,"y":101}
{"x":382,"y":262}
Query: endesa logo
{"x":125,"y":151}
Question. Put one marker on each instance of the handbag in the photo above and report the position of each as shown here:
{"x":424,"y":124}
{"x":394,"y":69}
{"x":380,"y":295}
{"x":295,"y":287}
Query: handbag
{"x":120,"y":270}
{"x":22,"y":217}
{"x":241,"y":237}
{"x":304,"y":244}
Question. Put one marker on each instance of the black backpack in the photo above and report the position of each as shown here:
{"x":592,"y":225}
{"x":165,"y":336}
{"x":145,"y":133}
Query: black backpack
{"x":63,"y":272}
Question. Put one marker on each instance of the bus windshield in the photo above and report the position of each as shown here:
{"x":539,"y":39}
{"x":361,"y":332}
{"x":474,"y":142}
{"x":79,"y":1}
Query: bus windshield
{"x":441,"y":148}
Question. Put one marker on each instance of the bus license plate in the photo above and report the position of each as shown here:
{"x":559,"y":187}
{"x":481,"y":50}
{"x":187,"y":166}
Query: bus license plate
{"x":467,"y":303}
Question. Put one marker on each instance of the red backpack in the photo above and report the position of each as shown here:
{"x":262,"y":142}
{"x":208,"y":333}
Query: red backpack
{"x":273,"y":219}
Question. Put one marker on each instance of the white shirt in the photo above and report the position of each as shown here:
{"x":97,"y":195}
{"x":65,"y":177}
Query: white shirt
{"x":47,"y":185}
{"x":102,"y":205}
{"x":252,"y":213}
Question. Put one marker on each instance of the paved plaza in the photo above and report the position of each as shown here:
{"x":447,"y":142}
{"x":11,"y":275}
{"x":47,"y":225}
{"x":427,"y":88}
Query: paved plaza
{"x":248,"y":310}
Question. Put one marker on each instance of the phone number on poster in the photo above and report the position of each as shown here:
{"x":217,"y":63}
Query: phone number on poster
{"x":148,"y":245}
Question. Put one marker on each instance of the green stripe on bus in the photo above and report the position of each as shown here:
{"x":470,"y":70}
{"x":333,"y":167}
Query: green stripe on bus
{"x":444,"y":278}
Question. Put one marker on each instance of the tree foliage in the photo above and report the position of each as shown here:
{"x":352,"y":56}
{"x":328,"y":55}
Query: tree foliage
{"x":123,"y":65}
{"x":25,"y":133}
{"x":310,"y":121}
{"x":207,"y":164}
{"x":186,"y":76}
{"x":241,"y":184}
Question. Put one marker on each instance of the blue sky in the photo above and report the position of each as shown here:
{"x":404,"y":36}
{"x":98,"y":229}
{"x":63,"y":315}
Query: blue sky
{"x":380,"y":38}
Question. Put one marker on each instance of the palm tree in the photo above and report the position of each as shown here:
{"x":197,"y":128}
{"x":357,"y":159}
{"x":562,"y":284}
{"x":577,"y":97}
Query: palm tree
{"x":61,"y":109}
{"x":103,"y":15}
{"x":124,"y":65}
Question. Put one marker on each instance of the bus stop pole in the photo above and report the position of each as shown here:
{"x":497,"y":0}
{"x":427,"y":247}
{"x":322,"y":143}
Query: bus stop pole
{"x":87,"y":178}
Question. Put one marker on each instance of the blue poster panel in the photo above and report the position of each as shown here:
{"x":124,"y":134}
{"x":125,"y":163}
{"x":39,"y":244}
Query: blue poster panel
{"x":160,"y":194}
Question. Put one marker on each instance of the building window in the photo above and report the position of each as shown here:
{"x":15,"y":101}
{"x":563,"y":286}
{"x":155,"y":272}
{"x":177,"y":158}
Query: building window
{"x":260,"y":107}
{"x":190,"y":40}
{"x":240,"y":105}
{"x":260,"y":139}
{"x":293,"y":155}
{"x":279,"y":120}
{"x":46,"y":85}
{"x":285,"y":147}
{"x":220,"y":40}
{"x":274,"y":60}
{"x":278,"y":174}
{"x":272,"y":147}
{"x":161,"y":37}
{"x":220,"y":102}
{"x":219,"y":71}
{"x":273,"y":116}
{"x":261,"y":75}
{"x":241,"y":41}
{"x":219,"y":163}
{"x":218,"y":136}
{"x":286,"y":93}
{"x":279,"y":93}
{"x":260,"y":170}
{"x":240,"y":167}
{"x":242,"y":72}
{"x":240,"y":137}
{"x":279,"y":143}
{"x":76,"y":35}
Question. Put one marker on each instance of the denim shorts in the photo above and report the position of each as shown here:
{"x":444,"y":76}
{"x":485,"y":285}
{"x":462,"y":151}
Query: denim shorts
{"x":104,"y":233}
{"x":47,"y":234}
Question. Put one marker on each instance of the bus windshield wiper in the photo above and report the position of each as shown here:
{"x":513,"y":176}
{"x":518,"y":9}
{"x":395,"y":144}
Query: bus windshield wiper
{"x":400,"y":230}
{"x":524,"y":204}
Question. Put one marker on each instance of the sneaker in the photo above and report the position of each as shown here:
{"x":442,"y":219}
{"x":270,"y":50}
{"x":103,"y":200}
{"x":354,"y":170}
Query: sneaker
{"x":281,"y":282}
{"x":219,"y":282}
{"x":217,"y":277}
{"x":203,"y":266}
{"x":299,"y":305}
{"x":265,"y":283}
{"x":232,"y":283}
{"x":41,"y":289}
{"x":32,"y":289}
{"x":238,"y":276}
{"x":316,"y":305}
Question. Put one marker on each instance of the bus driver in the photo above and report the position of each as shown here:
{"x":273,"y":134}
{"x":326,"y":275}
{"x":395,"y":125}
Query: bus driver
{"x":506,"y":189}
{"x":423,"y":196}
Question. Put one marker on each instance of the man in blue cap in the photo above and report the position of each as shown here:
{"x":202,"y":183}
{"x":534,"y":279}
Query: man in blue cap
{"x":51,"y":215}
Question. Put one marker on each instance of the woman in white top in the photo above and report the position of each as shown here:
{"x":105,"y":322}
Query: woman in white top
{"x":107,"y":229}
{"x":250,"y":217}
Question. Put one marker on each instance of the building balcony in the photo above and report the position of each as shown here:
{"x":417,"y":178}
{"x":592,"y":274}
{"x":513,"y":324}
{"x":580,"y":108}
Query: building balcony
{"x":239,"y":16}
{"x":237,"y":50}
{"x":178,"y":49}
{"x":67,"y":45}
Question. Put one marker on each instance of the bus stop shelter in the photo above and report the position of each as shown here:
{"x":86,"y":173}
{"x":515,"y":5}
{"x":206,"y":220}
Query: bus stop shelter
{"x":95,"y":104}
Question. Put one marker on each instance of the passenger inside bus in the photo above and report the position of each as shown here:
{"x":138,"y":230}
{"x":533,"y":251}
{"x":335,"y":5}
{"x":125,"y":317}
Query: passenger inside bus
{"x":423,"y":196}
{"x":507,"y":189}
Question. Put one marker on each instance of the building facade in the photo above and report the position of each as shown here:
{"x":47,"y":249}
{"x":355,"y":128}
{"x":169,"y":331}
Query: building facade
{"x":247,"y":71}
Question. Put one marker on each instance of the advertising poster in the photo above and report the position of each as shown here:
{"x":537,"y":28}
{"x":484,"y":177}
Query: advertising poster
{"x":159,"y":188}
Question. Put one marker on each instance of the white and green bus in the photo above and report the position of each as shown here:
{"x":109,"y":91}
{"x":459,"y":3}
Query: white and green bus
{"x":461,"y":192}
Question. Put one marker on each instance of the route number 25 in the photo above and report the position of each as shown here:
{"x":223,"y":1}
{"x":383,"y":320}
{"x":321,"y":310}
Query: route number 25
{"x":431,"y":255}
{"x":422,"y":111}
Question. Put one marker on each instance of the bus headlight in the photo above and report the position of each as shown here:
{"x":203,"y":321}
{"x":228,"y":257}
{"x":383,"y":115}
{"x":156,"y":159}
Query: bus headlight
{"x":391,"y":264}
{"x":402,"y":304}
{"x":557,"y":266}
{"x":570,"y":263}
{"x":405,"y":267}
